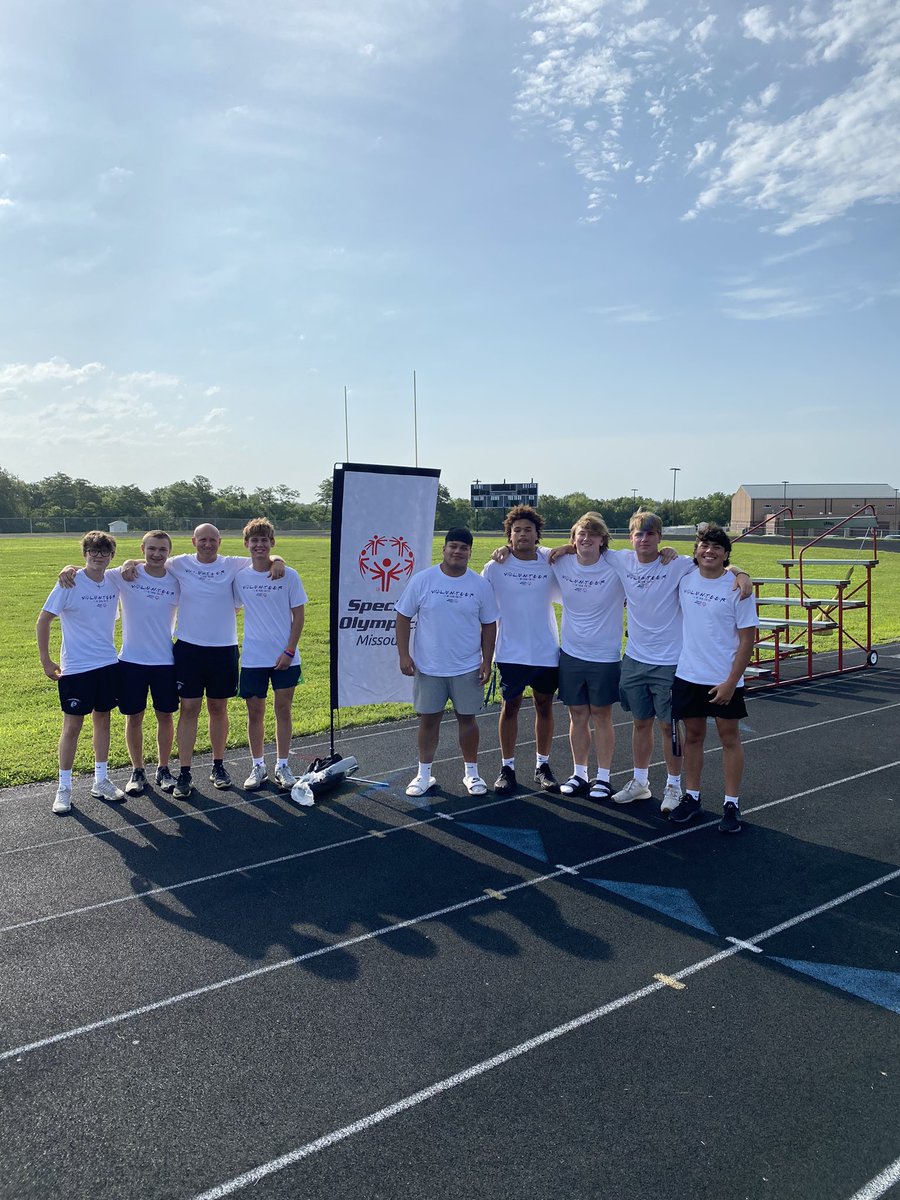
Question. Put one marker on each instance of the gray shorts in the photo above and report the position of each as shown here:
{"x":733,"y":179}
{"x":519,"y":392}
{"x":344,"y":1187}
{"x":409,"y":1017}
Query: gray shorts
{"x":645,"y":690}
{"x":583,"y":682}
{"x":431,"y":693}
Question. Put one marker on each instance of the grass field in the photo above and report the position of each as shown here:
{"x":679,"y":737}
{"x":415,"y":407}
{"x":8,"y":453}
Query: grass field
{"x":29,"y":708}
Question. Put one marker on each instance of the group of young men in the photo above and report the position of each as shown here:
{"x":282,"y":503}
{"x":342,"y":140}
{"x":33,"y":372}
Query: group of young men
{"x":691,"y":625}
{"x":196,"y":596}
{"x":690,"y":633}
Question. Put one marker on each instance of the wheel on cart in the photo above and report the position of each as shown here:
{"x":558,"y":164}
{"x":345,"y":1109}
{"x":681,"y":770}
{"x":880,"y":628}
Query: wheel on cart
{"x":872,"y":658}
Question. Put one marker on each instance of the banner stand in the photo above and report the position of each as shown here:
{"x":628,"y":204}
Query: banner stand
{"x":382,"y":533}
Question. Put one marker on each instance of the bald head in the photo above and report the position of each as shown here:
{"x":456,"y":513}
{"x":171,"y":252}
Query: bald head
{"x":206,"y":542}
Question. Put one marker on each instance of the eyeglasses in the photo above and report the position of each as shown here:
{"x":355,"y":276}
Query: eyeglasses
{"x":99,"y":554}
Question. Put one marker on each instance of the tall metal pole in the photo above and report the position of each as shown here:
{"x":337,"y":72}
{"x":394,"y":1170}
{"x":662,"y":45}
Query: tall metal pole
{"x":346,"y":429}
{"x":674,"y":471}
{"x":634,"y":496}
{"x":415,"y":422}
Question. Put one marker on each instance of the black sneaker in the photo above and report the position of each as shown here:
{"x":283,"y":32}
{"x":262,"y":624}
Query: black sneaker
{"x":505,"y":783}
{"x":731,"y":820}
{"x":576,"y":786}
{"x":165,"y":779}
{"x":135,"y":784}
{"x":219,"y":777}
{"x":686,"y":811}
{"x":184,"y":785}
{"x":545,"y":779}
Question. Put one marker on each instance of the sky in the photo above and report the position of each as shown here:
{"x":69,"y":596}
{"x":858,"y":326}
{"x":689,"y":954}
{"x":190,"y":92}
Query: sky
{"x":610,"y":238}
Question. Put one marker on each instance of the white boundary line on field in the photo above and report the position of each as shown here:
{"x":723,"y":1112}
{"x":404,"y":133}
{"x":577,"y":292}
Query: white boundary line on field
{"x":880,"y":1184}
{"x":481,"y":898}
{"x":239,"y":1182}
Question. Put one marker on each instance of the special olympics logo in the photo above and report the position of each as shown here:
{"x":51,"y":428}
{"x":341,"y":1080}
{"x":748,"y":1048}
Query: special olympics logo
{"x":385,"y":560}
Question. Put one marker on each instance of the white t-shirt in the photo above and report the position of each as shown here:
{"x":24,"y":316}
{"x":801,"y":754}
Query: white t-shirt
{"x":206,"y":607}
{"x":87,"y":614}
{"x":525,"y":591}
{"x":593,"y":602}
{"x":267,"y":605}
{"x":449,"y":614}
{"x":148,"y":617}
{"x":713,"y":612}
{"x":654,"y":614}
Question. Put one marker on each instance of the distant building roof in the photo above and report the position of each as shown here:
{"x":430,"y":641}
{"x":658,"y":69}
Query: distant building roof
{"x":821,"y":491}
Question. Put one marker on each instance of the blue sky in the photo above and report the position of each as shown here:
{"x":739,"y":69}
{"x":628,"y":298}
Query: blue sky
{"x":610,"y":238}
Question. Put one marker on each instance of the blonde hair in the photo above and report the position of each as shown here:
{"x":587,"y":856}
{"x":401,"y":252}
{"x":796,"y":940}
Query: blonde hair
{"x":259,"y":527}
{"x":593,"y":523}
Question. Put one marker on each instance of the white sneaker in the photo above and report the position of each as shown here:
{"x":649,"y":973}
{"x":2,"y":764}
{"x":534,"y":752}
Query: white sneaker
{"x":105,"y":789}
{"x":475,"y":785}
{"x":672,"y":797}
{"x":285,"y":778}
{"x":420,"y":785}
{"x":257,"y":777}
{"x":632,"y":791}
{"x":63,"y":801}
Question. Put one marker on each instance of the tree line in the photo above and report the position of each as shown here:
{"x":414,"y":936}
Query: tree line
{"x":59,"y":502}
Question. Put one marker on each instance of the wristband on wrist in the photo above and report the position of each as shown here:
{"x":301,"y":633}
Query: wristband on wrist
{"x":290,"y":652}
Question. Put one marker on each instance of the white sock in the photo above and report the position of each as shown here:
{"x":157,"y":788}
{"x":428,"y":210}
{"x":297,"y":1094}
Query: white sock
{"x":282,"y":762}
{"x":580,"y":771}
{"x":259,"y":762}
{"x":732,"y":800}
{"x":100,"y":771}
{"x":693,"y":795}
{"x":471,"y":770}
{"x":673,"y":781}
{"x":424,"y":770}
{"x":603,"y":774}
{"x":642,"y":775}
{"x":509,"y":762}
{"x":65,"y":779}
{"x":541,"y":759}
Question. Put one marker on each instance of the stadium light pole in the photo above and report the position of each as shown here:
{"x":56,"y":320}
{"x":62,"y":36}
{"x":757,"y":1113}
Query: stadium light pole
{"x":633,"y":497}
{"x":346,"y":428}
{"x":415,"y":422}
{"x":674,"y":471}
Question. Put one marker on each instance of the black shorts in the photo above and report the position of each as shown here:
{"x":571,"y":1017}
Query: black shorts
{"x":692,"y":700}
{"x":209,"y":669}
{"x":515,"y":678}
{"x":136,"y":679}
{"x":89,"y":691}
{"x":255,"y":681}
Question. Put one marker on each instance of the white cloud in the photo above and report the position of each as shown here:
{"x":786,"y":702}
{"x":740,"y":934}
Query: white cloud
{"x":770,"y":303}
{"x":758,"y":24}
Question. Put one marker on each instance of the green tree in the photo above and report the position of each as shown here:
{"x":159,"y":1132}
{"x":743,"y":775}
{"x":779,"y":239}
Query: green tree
{"x":15,"y":496}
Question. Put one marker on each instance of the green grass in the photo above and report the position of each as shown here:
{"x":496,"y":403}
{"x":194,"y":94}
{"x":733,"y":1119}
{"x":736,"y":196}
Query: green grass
{"x":29,"y":708}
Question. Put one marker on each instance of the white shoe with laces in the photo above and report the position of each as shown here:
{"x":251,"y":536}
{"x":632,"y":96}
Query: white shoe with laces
{"x":105,"y":789}
{"x":63,"y":800}
{"x":257,"y":777}
{"x":672,"y":797}
{"x":632,"y":791}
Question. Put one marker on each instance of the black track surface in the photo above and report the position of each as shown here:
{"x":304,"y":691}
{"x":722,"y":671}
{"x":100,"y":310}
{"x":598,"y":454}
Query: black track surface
{"x":751,"y":1079}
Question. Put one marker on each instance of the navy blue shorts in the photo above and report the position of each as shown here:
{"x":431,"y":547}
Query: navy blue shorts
{"x":137,"y":679}
{"x":515,"y":678}
{"x":255,"y":681}
{"x":210,"y":669}
{"x":89,"y":691}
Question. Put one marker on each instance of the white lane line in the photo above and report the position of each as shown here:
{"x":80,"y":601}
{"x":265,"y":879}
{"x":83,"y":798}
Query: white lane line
{"x":561,"y":872}
{"x":201,"y":812}
{"x":880,"y":1184}
{"x":489,"y":1064}
{"x":637,"y":845}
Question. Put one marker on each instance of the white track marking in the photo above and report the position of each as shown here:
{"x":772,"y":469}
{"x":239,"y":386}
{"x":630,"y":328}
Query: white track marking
{"x":880,"y":1184}
{"x":637,"y":845}
{"x":201,"y":812}
{"x":561,"y":872}
{"x":489,"y":1064}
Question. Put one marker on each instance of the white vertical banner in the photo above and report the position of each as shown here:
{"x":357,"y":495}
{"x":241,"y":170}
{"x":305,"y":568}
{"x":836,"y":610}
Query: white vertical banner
{"x":382,"y":532}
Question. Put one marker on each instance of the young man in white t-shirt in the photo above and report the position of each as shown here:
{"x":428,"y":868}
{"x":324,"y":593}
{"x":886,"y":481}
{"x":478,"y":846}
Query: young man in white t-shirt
{"x":719,"y":632}
{"x":456,"y":628}
{"x":87,"y":674}
{"x":273,"y":621}
{"x":593,"y":606}
{"x":527,"y":651}
{"x":148,"y":600}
